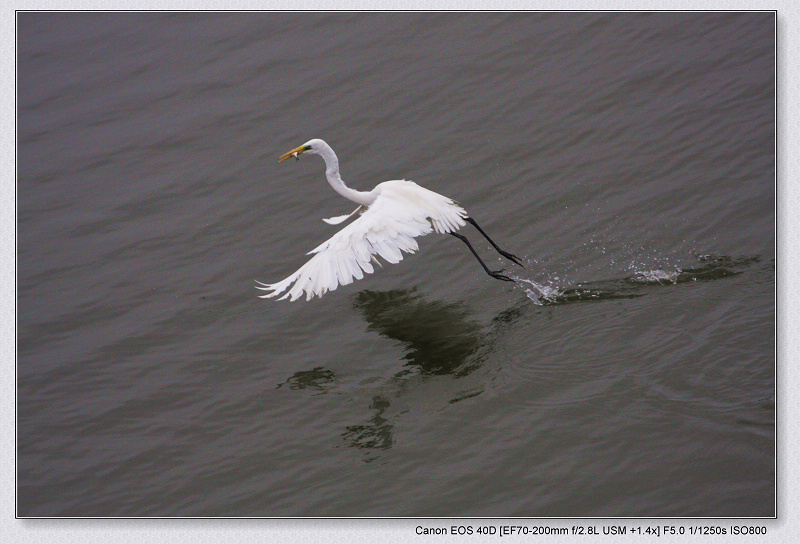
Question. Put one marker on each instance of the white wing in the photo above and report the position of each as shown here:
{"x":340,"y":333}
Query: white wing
{"x":402,"y":211}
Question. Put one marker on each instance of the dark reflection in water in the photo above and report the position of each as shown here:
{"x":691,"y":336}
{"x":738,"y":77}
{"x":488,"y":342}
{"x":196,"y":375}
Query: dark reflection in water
{"x":438,"y":337}
{"x":375,"y":434}
{"x":318,"y":378}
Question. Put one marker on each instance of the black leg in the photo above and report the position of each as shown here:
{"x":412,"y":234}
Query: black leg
{"x":493,"y":273}
{"x":505,"y":254}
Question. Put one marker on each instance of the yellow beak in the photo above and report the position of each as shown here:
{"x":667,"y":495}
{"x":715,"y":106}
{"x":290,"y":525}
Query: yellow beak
{"x":296,"y":152}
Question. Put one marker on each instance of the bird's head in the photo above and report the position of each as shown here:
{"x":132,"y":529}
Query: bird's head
{"x":308,"y":147}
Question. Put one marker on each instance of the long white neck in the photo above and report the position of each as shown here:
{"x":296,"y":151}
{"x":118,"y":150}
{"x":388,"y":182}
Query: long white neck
{"x":335,"y":179}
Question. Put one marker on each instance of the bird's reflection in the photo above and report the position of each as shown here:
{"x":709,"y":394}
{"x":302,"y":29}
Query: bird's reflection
{"x":438,"y":337}
{"x":374,"y":434}
{"x":318,"y":378}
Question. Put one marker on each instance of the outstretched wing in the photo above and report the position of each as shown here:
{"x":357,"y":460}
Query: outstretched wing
{"x":387,"y":229}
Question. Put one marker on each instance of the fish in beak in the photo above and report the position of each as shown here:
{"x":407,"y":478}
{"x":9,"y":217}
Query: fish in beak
{"x":296,"y":152}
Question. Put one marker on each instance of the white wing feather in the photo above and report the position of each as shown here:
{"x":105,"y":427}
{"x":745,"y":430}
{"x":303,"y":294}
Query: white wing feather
{"x":402,"y":211}
{"x":341,"y":218}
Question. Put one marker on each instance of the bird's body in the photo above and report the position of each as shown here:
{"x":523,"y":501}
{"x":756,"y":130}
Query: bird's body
{"x":392,"y":215}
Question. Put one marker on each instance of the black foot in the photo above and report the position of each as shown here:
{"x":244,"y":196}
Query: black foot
{"x":516,"y":260}
{"x":496,"y":274}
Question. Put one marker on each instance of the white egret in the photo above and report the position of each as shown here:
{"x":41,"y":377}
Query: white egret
{"x":391,"y":216}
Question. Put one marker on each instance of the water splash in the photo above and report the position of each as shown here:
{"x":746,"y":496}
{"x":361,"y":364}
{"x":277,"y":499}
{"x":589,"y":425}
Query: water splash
{"x":539,"y":294}
{"x":659,"y":277}
{"x":709,"y":267}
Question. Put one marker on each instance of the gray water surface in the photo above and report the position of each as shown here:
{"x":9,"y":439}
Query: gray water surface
{"x":627,"y":158}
